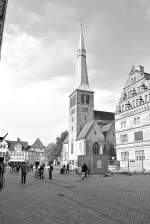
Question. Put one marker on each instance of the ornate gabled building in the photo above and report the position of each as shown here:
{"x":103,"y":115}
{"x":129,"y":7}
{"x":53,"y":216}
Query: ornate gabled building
{"x":132,"y":122}
{"x":36,"y":153}
{"x":85,"y":125}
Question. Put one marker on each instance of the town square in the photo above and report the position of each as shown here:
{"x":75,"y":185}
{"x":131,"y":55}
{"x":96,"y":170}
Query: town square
{"x":75,"y":111}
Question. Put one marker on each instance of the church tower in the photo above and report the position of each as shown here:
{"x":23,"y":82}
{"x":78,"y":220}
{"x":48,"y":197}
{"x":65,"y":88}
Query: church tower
{"x":81,"y":109}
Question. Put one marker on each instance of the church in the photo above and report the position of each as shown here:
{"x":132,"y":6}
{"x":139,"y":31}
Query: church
{"x":88,"y":128}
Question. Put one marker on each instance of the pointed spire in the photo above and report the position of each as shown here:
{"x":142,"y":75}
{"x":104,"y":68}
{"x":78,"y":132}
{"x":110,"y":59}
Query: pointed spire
{"x":81,"y":63}
{"x":81,"y":43}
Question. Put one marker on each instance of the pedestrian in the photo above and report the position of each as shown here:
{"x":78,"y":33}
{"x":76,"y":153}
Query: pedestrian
{"x":2,"y":169}
{"x":17,"y":168}
{"x":84,"y":169}
{"x":50,"y":170}
{"x":64,"y":168}
{"x":41,"y":170}
{"x":24,"y":172}
{"x":67,"y":169}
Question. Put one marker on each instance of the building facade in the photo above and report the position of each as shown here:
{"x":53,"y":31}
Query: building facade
{"x":18,"y":150}
{"x":36,"y":153}
{"x":132,"y":122}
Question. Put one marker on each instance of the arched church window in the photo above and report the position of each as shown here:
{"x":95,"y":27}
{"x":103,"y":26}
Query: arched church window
{"x":82,"y":98}
{"x":87,"y":99}
{"x":95,"y":148}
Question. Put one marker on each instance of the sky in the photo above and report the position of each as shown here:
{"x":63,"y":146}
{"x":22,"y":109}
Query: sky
{"x":37,"y":68}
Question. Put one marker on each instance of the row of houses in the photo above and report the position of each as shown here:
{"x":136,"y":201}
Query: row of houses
{"x":21,"y":151}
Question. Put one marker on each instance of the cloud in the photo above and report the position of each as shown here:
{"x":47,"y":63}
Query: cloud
{"x":106,"y":100}
{"x":32,"y":59}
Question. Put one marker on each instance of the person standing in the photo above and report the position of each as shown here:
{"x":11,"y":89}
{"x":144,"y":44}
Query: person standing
{"x":24,"y":172}
{"x":84,"y":169}
{"x":50,"y":170}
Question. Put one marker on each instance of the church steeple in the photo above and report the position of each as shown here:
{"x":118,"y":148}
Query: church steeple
{"x":81,"y":64}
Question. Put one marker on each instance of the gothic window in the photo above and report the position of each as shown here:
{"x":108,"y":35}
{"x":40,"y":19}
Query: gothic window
{"x":85,"y":118}
{"x":87,"y":99}
{"x":82,"y":98}
{"x":95,"y":148}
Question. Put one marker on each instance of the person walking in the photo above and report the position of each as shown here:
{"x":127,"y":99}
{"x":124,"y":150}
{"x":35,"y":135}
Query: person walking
{"x":84,"y":169}
{"x":50,"y":170}
{"x":24,"y":172}
{"x":67,"y":169}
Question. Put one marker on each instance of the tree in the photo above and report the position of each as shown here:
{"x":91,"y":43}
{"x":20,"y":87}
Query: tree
{"x":59,"y":142}
{"x":50,"y":151}
{"x":54,"y":150}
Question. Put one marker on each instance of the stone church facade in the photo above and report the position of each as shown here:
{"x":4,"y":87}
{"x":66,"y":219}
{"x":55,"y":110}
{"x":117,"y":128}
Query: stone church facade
{"x":86,"y":137}
{"x":132,"y":122}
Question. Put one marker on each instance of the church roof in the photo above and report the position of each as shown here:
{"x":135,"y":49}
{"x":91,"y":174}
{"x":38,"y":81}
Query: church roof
{"x":106,"y":127}
{"x":103,"y":115}
{"x":84,"y":87}
{"x":85,"y":130}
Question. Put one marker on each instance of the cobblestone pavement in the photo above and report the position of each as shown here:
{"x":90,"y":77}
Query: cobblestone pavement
{"x":65,"y":199}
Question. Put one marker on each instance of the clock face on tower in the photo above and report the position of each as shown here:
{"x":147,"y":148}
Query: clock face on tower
{"x":72,"y":101}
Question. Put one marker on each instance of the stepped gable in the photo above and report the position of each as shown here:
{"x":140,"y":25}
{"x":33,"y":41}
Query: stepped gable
{"x":85,"y":130}
{"x":137,"y":73}
{"x":104,"y":115}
